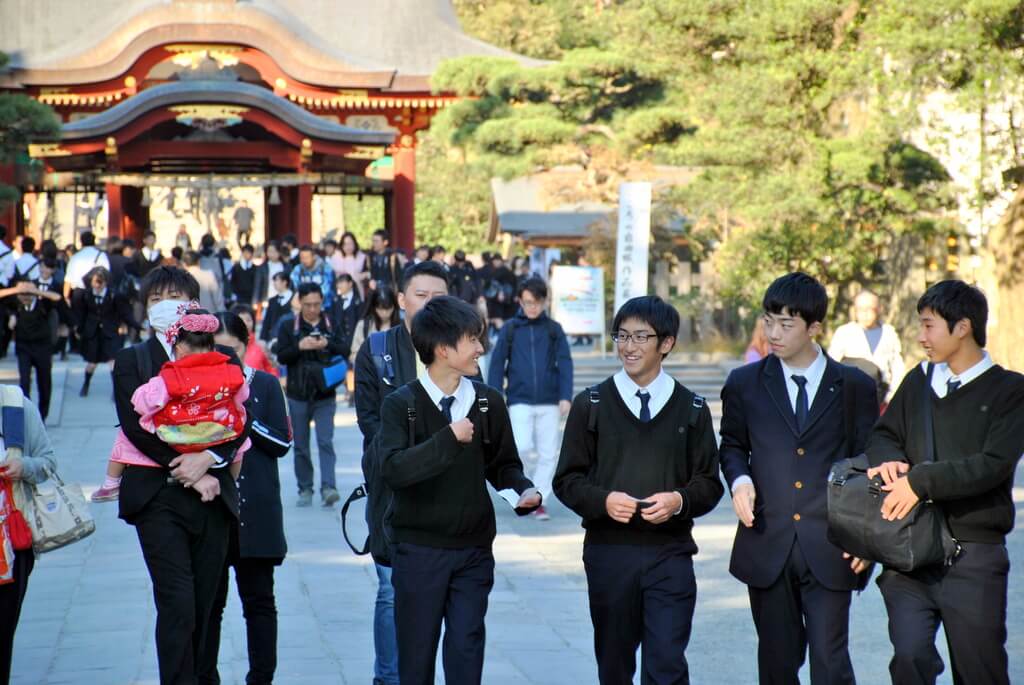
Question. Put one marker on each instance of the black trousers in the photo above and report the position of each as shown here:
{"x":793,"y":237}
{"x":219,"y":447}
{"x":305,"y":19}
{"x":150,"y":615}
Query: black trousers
{"x":969,"y":599}
{"x":797,"y":613}
{"x":255,"y":581}
{"x":12,"y":595}
{"x":184,"y":542}
{"x":40,"y":358}
{"x":432,"y":586}
{"x":641,"y":596}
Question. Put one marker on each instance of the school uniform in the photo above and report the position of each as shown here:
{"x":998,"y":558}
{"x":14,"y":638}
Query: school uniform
{"x":145,"y":260}
{"x":978,"y":422}
{"x":33,"y":345}
{"x":243,"y":282}
{"x":345,"y":317}
{"x":784,"y":438}
{"x":640,"y":577}
{"x":442,"y":523}
{"x":99,"y":315}
{"x":277,"y":306}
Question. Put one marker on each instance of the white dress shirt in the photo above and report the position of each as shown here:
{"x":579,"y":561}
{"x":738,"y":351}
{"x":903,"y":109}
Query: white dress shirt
{"x":464,"y":395}
{"x":812,"y":373}
{"x":943,"y":373}
{"x":660,"y":389}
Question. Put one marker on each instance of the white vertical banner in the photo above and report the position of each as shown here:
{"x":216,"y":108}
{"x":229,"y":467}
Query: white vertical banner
{"x":634,"y":242}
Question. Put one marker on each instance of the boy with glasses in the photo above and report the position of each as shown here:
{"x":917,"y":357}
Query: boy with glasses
{"x":639,"y":463}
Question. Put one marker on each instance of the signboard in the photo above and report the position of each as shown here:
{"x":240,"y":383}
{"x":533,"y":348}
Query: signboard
{"x":577,"y":299}
{"x":634,"y":242}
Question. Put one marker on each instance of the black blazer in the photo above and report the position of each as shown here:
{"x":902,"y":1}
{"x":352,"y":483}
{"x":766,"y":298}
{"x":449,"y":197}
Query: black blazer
{"x":261,"y":528}
{"x":346,"y":320}
{"x":140,"y":484}
{"x":272,"y":314}
{"x":789,"y":467}
{"x":103,"y":318}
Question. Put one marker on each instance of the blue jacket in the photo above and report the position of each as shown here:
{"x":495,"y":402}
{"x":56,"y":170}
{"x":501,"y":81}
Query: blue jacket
{"x":540,"y":368}
{"x":321,"y":274}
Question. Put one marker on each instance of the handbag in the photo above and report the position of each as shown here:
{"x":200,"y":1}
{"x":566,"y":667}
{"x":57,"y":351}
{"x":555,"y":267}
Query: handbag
{"x":855,"y":522}
{"x":59,"y":514}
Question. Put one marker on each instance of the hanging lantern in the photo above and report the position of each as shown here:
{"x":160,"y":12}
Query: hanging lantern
{"x":275,"y":196}
{"x":146,"y":199}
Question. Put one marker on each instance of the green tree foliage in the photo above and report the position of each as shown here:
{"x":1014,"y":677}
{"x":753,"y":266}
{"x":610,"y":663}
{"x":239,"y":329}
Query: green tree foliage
{"x":22,"y":120}
{"x":799,"y":115}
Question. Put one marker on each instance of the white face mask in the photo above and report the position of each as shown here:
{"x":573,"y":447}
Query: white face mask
{"x":164,"y":313}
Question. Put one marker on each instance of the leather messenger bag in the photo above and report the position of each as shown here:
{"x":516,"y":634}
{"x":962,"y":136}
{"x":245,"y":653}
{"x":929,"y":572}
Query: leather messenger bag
{"x":855,"y":522}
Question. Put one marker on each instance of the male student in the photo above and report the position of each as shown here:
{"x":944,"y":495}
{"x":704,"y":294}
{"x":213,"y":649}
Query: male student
{"x":639,"y":463}
{"x":533,"y":354}
{"x":978,"y":422}
{"x":442,"y":438}
{"x":784,"y":423}
{"x":375,"y":379}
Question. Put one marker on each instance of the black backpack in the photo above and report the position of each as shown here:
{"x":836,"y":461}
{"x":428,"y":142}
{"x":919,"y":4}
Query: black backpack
{"x":594,"y":392}
{"x":378,"y":542}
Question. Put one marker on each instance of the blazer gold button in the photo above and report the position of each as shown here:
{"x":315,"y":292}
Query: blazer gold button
{"x":797,"y":484}
{"x":796,"y":517}
{"x":800,"y":451}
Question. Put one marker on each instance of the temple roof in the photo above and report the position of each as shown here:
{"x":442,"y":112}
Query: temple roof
{"x":222,"y":93}
{"x":387,"y":44}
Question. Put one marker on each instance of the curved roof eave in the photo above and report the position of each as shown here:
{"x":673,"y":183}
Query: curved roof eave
{"x":221,"y":93}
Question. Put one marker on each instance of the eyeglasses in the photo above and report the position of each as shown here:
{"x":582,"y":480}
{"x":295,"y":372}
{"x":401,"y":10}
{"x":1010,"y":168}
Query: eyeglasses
{"x":638,"y":338}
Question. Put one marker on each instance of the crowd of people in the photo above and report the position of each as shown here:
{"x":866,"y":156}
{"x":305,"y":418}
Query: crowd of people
{"x":203,"y":421}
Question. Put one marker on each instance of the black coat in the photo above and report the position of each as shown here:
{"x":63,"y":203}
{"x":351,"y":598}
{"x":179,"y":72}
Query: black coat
{"x":141,"y":483}
{"x":303,"y":363}
{"x":790,"y":467}
{"x":98,"y":322}
{"x":346,"y":320}
{"x":272,"y":314}
{"x":261,"y":525}
{"x":243,"y":283}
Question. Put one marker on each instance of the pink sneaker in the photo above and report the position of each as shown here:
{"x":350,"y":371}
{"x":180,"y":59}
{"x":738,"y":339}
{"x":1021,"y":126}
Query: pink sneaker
{"x":541,"y":514}
{"x":106,"y":494}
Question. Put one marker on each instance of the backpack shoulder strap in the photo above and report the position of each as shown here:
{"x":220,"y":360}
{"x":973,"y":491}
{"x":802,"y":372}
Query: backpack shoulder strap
{"x":484,"y":405}
{"x":696,"y":407}
{"x":410,"y":412}
{"x":594,"y":394}
{"x":382,"y":359}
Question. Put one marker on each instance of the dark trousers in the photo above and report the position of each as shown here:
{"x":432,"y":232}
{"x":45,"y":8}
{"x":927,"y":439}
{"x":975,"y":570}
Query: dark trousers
{"x":641,"y":596}
{"x":432,"y":586}
{"x":12,"y":595}
{"x":184,"y":542}
{"x":796,"y":613}
{"x":40,"y":358}
{"x":969,"y":599}
{"x":255,"y":581}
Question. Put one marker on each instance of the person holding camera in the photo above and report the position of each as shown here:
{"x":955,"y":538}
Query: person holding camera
{"x":306,"y":345}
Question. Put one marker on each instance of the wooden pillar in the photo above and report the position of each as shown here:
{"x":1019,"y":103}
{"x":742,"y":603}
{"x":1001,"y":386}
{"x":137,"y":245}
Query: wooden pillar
{"x":404,"y":199}
{"x":303,"y":212}
{"x":115,"y":210}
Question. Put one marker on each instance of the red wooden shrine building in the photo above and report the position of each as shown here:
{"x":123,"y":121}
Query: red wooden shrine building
{"x":296,"y":96}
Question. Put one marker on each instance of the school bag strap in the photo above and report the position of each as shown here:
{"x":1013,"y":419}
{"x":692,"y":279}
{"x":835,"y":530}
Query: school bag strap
{"x":594,"y":394}
{"x":696,"y":407}
{"x":484,"y":405}
{"x":357,"y":494}
{"x":382,"y":359}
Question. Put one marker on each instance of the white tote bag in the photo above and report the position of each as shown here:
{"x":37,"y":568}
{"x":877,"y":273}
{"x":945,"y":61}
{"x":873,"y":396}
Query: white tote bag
{"x":57,"y":512}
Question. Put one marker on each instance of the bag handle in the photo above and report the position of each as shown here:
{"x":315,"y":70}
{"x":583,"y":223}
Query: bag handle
{"x":929,"y":433}
{"x":357,"y":494}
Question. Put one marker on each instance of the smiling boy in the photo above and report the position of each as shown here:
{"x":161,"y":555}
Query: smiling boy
{"x":978,"y":426}
{"x":442,"y":438}
{"x":639,"y":463}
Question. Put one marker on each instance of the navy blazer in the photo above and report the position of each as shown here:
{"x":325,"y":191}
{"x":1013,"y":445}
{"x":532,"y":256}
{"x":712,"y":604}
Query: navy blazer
{"x":790,"y":467}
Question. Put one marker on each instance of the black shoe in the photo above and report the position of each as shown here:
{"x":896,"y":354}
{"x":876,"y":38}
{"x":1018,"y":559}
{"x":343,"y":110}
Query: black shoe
{"x":84,"y":392}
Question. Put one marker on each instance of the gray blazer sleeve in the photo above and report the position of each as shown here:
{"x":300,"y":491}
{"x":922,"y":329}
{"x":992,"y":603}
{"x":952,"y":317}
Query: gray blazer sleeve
{"x":38,"y":453}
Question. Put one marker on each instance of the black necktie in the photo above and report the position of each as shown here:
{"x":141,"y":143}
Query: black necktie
{"x":951,"y":386}
{"x":801,"y":400}
{"x":446,"y":408}
{"x":645,"y":405}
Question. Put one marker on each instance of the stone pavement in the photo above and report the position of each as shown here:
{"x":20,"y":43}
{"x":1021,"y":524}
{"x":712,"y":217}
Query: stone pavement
{"x":88,"y":618}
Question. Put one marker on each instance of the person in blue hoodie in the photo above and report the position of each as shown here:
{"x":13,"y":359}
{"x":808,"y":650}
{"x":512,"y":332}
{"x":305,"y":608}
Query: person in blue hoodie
{"x":532,"y":354}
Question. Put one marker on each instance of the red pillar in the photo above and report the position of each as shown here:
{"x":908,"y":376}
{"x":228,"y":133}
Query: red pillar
{"x":115,"y":210}
{"x":135,"y":217}
{"x":404,"y":199}
{"x":9,"y":214}
{"x":303,"y":213}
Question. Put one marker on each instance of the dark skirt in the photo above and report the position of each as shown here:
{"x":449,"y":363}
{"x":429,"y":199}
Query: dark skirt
{"x":100,"y":348}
